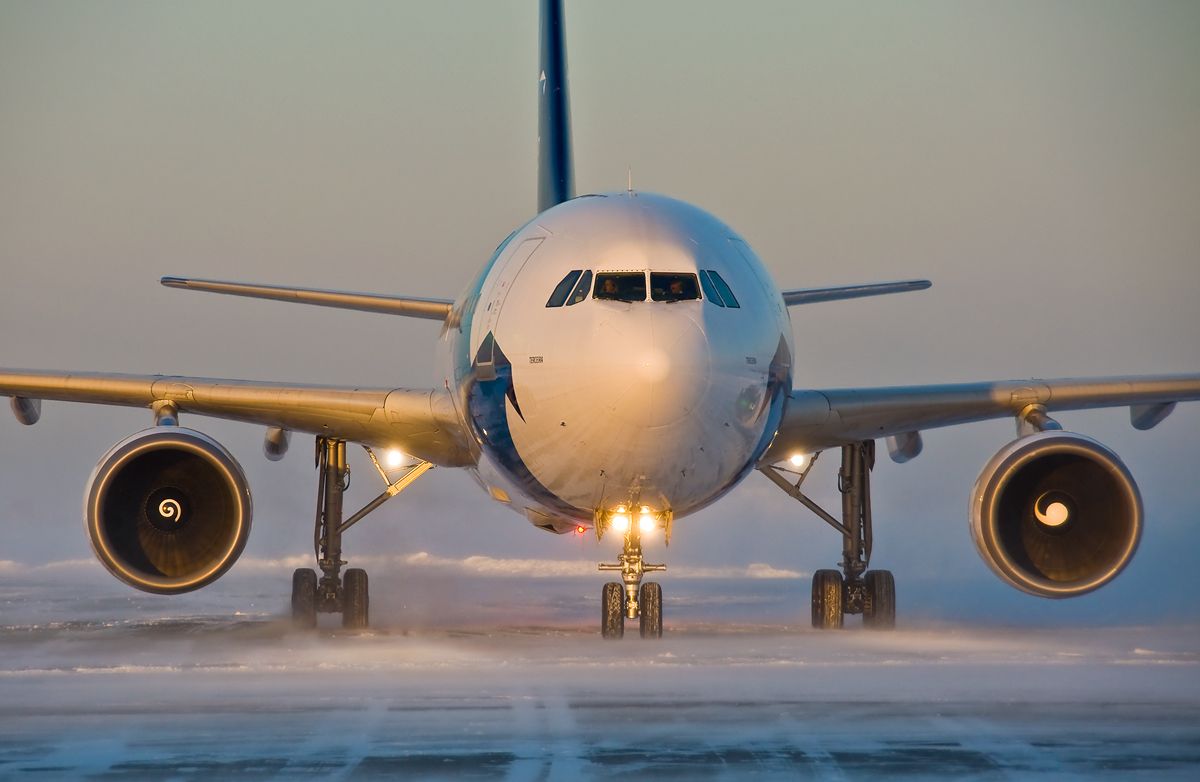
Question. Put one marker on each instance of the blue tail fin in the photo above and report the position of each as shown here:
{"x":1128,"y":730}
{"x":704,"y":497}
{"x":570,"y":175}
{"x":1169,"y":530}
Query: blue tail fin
{"x":556,"y":168}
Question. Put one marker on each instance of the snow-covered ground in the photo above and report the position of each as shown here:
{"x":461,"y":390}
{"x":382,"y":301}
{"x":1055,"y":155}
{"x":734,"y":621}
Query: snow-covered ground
{"x":507,"y":678}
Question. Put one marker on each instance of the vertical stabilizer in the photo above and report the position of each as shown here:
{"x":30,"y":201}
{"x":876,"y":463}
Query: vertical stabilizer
{"x":556,"y":168}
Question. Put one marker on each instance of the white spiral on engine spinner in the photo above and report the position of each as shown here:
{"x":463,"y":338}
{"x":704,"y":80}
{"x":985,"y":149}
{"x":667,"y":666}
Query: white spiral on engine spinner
{"x":1055,"y":515}
{"x":171,"y":509}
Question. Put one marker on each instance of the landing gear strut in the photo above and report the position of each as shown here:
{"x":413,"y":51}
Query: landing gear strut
{"x":853,"y":589}
{"x":631,"y":599}
{"x":335,"y":592}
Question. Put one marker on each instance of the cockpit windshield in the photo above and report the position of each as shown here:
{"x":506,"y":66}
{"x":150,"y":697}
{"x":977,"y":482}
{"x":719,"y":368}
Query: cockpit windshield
{"x":673,"y":286}
{"x":564,"y":288}
{"x":620,"y":286}
{"x":717,"y":290}
{"x":631,"y":286}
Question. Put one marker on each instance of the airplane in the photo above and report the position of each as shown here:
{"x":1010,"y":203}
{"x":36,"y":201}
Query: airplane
{"x":623,"y":360}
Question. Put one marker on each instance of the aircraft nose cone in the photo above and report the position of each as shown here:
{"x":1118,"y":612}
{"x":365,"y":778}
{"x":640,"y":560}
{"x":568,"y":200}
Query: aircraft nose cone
{"x":656,"y":367}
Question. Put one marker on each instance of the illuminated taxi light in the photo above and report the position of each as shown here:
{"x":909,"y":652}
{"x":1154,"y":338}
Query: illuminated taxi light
{"x":620,"y":509}
{"x":646,"y":523}
{"x":1055,"y":515}
{"x":645,"y":509}
{"x":620,"y":522}
{"x":800,"y":460}
{"x":395,"y":457}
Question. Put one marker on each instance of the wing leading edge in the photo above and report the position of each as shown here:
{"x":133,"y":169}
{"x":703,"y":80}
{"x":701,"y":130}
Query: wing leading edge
{"x":799,"y":296}
{"x":816,"y":420}
{"x":408,"y":306}
{"x":421,"y":422}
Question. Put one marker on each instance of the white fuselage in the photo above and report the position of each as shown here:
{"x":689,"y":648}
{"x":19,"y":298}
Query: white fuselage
{"x":597,"y":403}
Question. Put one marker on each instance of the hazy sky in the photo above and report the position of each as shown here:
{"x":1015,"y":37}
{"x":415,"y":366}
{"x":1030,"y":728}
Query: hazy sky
{"x":1039,"y":161}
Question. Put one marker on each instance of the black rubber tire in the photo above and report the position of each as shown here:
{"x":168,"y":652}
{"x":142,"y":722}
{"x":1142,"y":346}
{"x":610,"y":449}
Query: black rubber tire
{"x":304,"y":598}
{"x":650,"y":610}
{"x":612,"y":610}
{"x":355,"y":599}
{"x":827,"y":593}
{"x":879,"y":613}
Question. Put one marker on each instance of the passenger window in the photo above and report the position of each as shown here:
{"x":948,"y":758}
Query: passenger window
{"x":581,"y":290}
{"x":710,"y":292}
{"x":563,"y":289}
{"x":673,"y":286}
{"x":726,"y":294}
{"x":621,"y":286}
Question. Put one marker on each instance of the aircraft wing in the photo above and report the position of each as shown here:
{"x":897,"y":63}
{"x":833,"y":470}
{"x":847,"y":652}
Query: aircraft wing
{"x":799,"y":296}
{"x":408,"y":306}
{"x":816,"y":420}
{"x":420,"y":422}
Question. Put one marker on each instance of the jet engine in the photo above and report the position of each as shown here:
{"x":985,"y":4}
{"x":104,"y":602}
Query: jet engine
{"x":1056,"y":514}
{"x":168,"y":510}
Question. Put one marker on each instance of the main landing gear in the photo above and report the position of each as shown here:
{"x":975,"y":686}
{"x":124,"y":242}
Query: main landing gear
{"x":853,"y":589}
{"x":335,"y":592}
{"x":631,"y":599}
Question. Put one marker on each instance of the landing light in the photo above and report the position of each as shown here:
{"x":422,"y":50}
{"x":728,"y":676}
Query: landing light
{"x":620,"y":521}
{"x":646,"y":522}
{"x":394,"y":458}
{"x":800,"y":460}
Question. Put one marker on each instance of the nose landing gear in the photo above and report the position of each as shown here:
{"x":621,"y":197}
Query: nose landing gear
{"x":631,"y":599}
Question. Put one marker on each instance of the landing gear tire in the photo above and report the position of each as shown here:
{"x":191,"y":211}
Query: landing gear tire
{"x":650,"y":610}
{"x":304,"y":598}
{"x":827,"y":591}
{"x":612,"y":610}
{"x":879,"y":612}
{"x":355,"y":600}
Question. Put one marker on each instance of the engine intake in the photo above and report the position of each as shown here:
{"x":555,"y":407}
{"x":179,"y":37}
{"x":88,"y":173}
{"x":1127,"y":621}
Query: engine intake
{"x":168,"y":510}
{"x":1056,"y":514}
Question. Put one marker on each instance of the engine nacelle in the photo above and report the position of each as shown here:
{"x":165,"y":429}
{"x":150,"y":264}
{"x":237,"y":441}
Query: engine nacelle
{"x":168,"y":510}
{"x":1056,"y":514}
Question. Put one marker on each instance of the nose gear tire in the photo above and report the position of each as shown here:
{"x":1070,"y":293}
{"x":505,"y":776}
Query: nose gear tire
{"x":650,"y":613}
{"x":612,"y":610}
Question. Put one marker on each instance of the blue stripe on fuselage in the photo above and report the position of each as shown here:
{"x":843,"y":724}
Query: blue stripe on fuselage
{"x":779,"y":386}
{"x":490,"y":387}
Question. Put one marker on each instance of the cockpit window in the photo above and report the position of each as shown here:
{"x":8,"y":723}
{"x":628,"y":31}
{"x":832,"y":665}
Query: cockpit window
{"x":726,"y":294}
{"x":563,"y":289}
{"x":581,"y":290}
{"x":710,"y":291}
{"x":673,"y":286}
{"x":620,"y":286}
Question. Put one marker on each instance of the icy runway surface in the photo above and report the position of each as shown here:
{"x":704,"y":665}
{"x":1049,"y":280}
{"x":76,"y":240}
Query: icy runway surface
{"x":132,"y":688}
